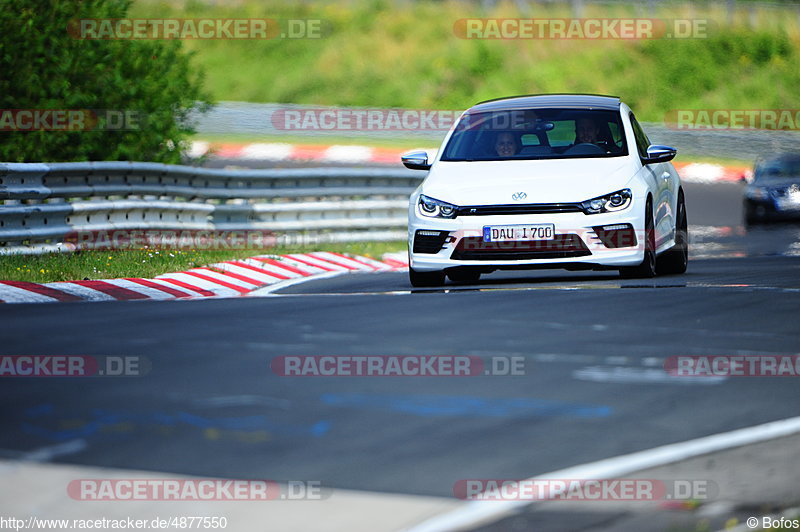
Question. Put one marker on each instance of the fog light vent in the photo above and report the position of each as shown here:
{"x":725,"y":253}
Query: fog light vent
{"x":616,"y":235}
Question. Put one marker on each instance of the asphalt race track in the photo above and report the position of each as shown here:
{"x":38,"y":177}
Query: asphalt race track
{"x":593,"y":386}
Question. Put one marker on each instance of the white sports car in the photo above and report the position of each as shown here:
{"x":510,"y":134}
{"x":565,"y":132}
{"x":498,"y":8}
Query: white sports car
{"x":550,"y":181}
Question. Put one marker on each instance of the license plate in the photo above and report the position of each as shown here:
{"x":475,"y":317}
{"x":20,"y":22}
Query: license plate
{"x":507,"y":233}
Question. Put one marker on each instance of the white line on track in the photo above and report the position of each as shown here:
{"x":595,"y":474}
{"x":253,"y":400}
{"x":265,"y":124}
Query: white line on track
{"x":623,"y":375}
{"x":475,"y":513}
{"x":268,"y":290}
{"x":46,"y":454}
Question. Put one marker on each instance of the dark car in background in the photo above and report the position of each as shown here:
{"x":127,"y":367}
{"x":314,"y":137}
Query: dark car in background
{"x":774,"y":191}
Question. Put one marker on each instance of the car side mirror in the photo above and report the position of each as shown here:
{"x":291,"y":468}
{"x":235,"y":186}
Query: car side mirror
{"x":657,"y":153}
{"x":416,"y":160}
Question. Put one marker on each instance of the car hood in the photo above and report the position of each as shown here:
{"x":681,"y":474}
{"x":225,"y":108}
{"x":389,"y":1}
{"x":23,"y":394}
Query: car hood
{"x":543,"y":181}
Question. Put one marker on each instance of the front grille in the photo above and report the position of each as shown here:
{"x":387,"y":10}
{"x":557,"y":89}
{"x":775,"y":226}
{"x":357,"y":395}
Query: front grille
{"x":528,"y":208}
{"x":426,"y":241}
{"x":562,"y":247}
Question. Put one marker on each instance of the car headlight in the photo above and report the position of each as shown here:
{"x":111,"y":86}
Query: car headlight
{"x":757,"y":193}
{"x":435,"y":208}
{"x":616,"y":201}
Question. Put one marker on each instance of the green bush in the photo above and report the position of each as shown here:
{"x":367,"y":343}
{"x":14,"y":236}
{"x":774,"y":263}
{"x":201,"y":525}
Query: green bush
{"x":44,"y":67}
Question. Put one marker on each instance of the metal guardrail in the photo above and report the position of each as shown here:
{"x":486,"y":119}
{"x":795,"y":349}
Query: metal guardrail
{"x":42,"y":204}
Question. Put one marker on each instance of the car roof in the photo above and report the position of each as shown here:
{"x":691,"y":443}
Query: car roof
{"x":779,"y":157}
{"x":543,"y":101}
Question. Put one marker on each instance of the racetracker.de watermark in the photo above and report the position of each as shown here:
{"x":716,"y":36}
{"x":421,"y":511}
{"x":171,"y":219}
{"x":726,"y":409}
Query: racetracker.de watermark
{"x":733,"y":366}
{"x":71,"y":120}
{"x":32,"y":366}
{"x":140,"y":239}
{"x":581,"y":28}
{"x":733,"y":119}
{"x":138,"y":489}
{"x":365,"y":120}
{"x":195,"y":28}
{"x":397,"y":366}
{"x":588,"y":490}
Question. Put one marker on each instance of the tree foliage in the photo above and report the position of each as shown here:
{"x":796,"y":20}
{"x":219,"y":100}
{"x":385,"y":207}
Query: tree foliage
{"x":45,"y":66}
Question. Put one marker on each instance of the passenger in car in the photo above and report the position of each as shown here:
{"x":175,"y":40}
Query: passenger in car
{"x":506,"y":144}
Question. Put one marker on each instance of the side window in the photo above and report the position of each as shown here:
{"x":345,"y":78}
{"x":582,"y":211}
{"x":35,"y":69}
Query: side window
{"x":642,"y":142}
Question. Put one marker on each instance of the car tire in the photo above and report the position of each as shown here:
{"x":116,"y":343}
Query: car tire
{"x":647,"y":269}
{"x":425,"y":279}
{"x":675,"y":260}
{"x":464,"y":276}
{"x":752,"y":215}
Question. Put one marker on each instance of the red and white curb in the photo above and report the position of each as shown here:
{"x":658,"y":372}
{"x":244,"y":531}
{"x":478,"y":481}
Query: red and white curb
{"x":711,"y":173}
{"x":231,"y":278}
{"x":690,"y":172}
{"x":278,"y":151}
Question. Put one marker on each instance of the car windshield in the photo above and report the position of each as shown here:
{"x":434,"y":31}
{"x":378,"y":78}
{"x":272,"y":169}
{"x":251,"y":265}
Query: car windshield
{"x":778,"y":169}
{"x":536,"y":134}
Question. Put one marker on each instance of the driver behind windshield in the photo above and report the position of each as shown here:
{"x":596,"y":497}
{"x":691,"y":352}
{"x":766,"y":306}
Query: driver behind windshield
{"x":586,"y":131}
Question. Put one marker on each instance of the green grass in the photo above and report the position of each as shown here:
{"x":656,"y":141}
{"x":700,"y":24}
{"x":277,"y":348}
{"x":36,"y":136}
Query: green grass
{"x":143,"y":263}
{"x":378,"y":53}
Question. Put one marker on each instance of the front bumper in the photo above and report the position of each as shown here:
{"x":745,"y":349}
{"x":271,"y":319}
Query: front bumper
{"x":578,"y":243}
{"x":772,"y":208}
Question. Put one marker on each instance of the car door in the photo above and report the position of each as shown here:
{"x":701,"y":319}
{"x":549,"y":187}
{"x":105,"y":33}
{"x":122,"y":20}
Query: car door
{"x":661,"y":178}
